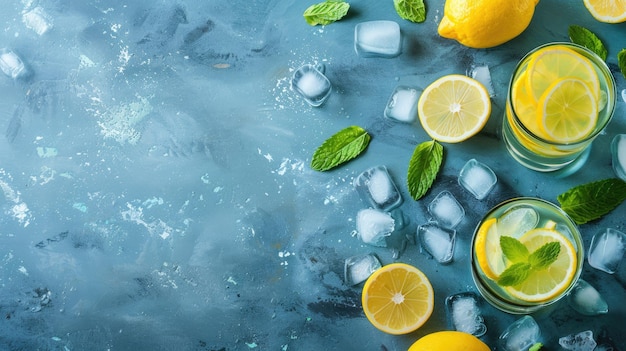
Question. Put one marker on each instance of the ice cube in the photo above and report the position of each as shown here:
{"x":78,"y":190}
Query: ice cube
{"x":377,"y":39}
{"x":483,"y":75}
{"x":373,"y":226}
{"x":582,"y":341}
{"x":446,"y":210}
{"x":376,"y":188}
{"x":585,"y":299}
{"x":607,"y":250}
{"x":624,"y":95}
{"x":518,"y":220}
{"x":402,"y":105}
{"x":311,"y":84}
{"x":618,"y":150}
{"x":464,"y":313}
{"x":520,"y":335}
{"x":358,"y":268}
{"x":437,"y":241}
{"x":38,"y":20}
{"x":477,"y":178}
{"x":11,"y":64}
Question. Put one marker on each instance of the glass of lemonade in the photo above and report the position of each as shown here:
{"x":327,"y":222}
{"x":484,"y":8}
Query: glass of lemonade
{"x":560,"y":97}
{"x":526,"y":254}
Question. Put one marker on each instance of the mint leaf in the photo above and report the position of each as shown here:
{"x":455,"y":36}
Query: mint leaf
{"x":536,"y":347}
{"x":513,"y":249}
{"x":515,"y":274}
{"x":621,"y":61}
{"x":545,"y":255}
{"x":345,"y":145}
{"x":412,"y":10}
{"x":423,"y":167}
{"x":593,"y":200}
{"x":326,"y":12}
{"x":584,"y":37}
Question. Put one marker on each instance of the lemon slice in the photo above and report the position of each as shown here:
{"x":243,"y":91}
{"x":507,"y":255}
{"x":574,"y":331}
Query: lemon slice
{"x":609,"y":11}
{"x":524,"y":104}
{"x":488,"y":250}
{"x":552,"y":63}
{"x":397,"y":298}
{"x":546,"y":284}
{"x":568,"y":111}
{"x":453,"y":108}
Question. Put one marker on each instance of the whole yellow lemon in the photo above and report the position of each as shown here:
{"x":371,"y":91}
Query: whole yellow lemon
{"x":485,"y":23}
{"x":449,"y":341}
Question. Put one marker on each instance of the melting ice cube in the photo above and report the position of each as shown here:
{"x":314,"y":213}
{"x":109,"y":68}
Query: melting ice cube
{"x":483,"y":75}
{"x":311,"y":84}
{"x":38,"y":20}
{"x":377,"y":38}
{"x":376,"y":187}
{"x":402,"y":105}
{"x":520,"y":335}
{"x":618,"y":151}
{"x":607,"y":250}
{"x":477,"y":178}
{"x":358,"y":268}
{"x":446,"y":209}
{"x":624,"y":95}
{"x":582,"y":341}
{"x":11,"y":64}
{"x":373,"y":226}
{"x":585,"y":299}
{"x":518,"y":220}
{"x":464,"y":313}
{"x":437,"y":241}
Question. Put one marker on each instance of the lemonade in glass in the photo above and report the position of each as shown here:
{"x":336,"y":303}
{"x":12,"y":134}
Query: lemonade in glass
{"x":560,"y":97}
{"x":526,"y":254}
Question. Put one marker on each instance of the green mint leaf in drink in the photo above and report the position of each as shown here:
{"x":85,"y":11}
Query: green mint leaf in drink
{"x":423,"y":167}
{"x":584,"y":37}
{"x":621,"y":61}
{"x":514,"y":274}
{"x":544,"y":256}
{"x":536,"y":347}
{"x":593,"y":200}
{"x":342,"y":147}
{"x":412,"y":10}
{"x":513,"y":249}
{"x":326,"y":12}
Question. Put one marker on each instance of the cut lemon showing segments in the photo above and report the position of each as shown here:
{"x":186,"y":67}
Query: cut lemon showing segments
{"x":488,"y":250}
{"x":454,"y":108}
{"x":548,"y":283}
{"x":568,"y":111}
{"x":608,"y":11}
{"x":397,"y":298}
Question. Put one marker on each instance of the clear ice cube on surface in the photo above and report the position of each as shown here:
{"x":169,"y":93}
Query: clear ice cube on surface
{"x":482,"y":74}
{"x":518,"y":220}
{"x":373,"y":226}
{"x":582,"y":341}
{"x":520,"y":335}
{"x":11,"y":64}
{"x":402,"y":105}
{"x":437,"y":241}
{"x":311,"y":84}
{"x":618,"y":151}
{"x":477,"y":178}
{"x":358,"y":268}
{"x":606,"y":250}
{"x":377,"y":188}
{"x":624,"y":95}
{"x":586,"y":300}
{"x":446,"y":210}
{"x":464,"y":313}
{"x":377,"y":39}
{"x":38,"y":20}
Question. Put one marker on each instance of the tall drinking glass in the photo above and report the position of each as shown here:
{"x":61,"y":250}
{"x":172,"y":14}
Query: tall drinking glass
{"x":561,"y":97}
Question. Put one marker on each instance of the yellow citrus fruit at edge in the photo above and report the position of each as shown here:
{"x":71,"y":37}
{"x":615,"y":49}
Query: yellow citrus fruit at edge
{"x":449,"y":341}
{"x":609,"y":11}
{"x":397,"y":298}
{"x":485,"y":23}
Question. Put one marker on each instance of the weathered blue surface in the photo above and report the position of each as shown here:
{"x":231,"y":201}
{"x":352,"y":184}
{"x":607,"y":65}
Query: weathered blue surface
{"x":157,"y":193}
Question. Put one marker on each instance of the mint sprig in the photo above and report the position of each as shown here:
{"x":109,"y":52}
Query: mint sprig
{"x":412,"y":10}
{"x":342,"y":147}
{"x":621,"y":61}
{"x":423,"y":167}
{"x":586,"y":202}
{"x":584,"y":37}
{"x":525,"y":262}
{"x":326,"y":12}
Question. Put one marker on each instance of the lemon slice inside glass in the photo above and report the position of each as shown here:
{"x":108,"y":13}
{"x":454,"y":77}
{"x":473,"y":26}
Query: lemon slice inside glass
{"x":397,"y":298}
{"x":609,"y":11}
{"x":488,"y":251}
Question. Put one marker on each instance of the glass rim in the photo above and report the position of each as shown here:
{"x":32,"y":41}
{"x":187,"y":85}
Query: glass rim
{"x":611,"y":87}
